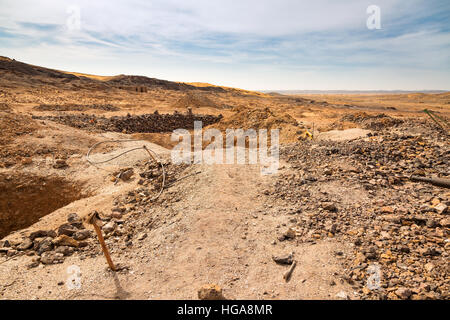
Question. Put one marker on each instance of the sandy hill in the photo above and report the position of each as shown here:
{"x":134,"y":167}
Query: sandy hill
{"x":9,"y":67}
{"x":13,"y":71}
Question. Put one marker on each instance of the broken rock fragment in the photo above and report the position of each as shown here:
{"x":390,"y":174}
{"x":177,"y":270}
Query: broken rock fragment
{"x":109,"y":227}
{"x":441,"y":208}
{"x":42,"y":233}
{"x":210,"y":292}
{"x":126,"y":175}
{"x":60,"y":164}
{"x":289,"y":234}
{"x":66,"y":229}
{"x":52,"y":257}
{"x":284,"y":259}
{"x":82,"y":234}
{"x":44,"y":246}
{"x":329,"y":206}
{"x":25,"y":244}
{"x":65,"y":250}
{"x":64,"y":240}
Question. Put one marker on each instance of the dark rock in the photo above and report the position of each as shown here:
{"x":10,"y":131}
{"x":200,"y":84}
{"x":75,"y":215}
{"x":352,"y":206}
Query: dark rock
{"x":45,"y":245}
{"x":405,"y":249}
{"x":330,"y":207}
{"x":51,"y":233}
{"x":118,"y":209}
{"x":65,"y":250}
{"x":42,"y":234}
{"x":66,"y":229}
{"x":60,"y":164}
{"x":11,"y":252}
{"x":142,"y":236}
{"x":82,"y":234}
{"x":430,"y":252}
{"x":127,"y":174}
{"x":432,"y":223}
{"x":33,"y":264}
{"x":5,"y":244}
{"x":371,"y":254}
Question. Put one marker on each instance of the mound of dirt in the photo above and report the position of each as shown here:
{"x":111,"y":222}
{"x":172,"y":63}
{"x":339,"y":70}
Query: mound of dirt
{"x":365,"y":121}
{"x":11,"y":66}
{"x":265,"y":118}
{"x":128,"y":81}
{"x":194,"y":100}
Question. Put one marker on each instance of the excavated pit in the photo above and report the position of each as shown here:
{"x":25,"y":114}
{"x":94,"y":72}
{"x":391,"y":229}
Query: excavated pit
{"x":27,"y":198}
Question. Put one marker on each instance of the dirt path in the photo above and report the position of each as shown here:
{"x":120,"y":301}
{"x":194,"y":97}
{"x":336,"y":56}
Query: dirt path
{"x":215,"y":230}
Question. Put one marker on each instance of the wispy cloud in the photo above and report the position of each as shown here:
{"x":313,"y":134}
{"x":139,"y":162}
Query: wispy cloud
{"x":253,"y":44}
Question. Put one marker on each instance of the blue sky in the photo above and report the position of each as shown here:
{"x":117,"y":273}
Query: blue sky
{"x":261,"y":45}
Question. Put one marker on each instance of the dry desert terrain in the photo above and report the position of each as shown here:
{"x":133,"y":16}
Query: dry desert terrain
{"x":341,"y":205}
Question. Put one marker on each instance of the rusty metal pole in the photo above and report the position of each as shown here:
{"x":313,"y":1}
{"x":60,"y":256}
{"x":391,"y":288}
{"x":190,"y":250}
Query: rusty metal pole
{"x":435,"y":118}
{"x":288,"y":273}
{"x":438,"y":182}
{"x":94,"y":220}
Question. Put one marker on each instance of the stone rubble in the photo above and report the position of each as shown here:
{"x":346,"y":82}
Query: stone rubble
{"x":398,"y":225}
{"x":148,"y":123}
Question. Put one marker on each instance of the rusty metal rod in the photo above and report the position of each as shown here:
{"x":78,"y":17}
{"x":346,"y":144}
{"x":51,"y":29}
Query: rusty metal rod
{"x":438,"y":182}
{"x":93,"y":219}
{"x":288,"y":273}
{"x":434,"y":117}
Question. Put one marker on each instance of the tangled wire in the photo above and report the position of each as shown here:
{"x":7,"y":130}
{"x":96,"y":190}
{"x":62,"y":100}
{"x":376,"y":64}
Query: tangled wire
{"x":151,"y":153}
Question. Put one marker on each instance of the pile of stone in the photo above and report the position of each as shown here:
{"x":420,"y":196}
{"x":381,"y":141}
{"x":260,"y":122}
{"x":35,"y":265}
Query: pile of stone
{"x":145,"y":123}
{"x":372,"y":122}
{"x":149,"y":181}
{"x":51,"y":246}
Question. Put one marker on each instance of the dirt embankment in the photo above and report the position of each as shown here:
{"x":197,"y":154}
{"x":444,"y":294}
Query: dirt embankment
{"x":22,"y":202}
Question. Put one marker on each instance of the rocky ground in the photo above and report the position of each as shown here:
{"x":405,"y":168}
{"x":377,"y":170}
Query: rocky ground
{"x":359,"y":191}
{"x":381,"y":236}
{"x":341,"y":219}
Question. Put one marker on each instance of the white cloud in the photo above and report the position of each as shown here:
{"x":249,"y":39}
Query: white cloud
{"x":254,"y":44}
